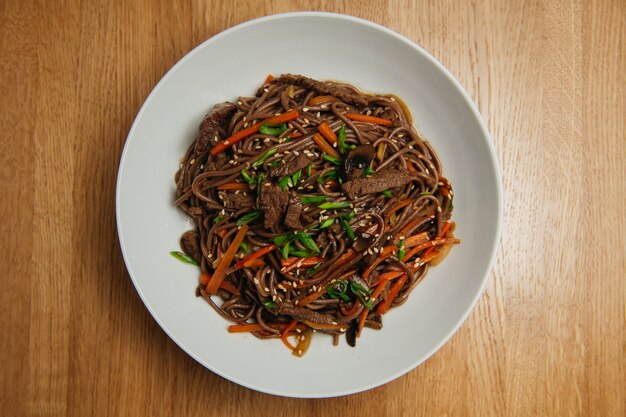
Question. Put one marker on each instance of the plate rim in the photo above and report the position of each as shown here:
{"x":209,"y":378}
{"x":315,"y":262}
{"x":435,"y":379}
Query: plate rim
{"x":495,"y":166}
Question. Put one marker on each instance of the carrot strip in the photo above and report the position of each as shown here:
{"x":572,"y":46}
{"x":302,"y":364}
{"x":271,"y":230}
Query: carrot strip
{"x":293,"y":263}
{"x":295,"y":134}
{"x":344,"y":258}
{"x":397,"y":207}
{"x":320,"y":326}
{"x":352,"y":310}
{"x":261,"y":252}
{"x":205,"y":277}
{"x":327,"y":132}
{"x":369,"y":119}
{"x":384,"y":305}
{"x":324,"y":146}
{"x":429,"y":244}
{"x":225,"y":285}
{"x":242,"y":328}
{"x":304,"y":343}
{"x":222,"y":233}
{"x":406,"y":229}
{"x":377,"y":262}
{"x":234,"y":186}
{"x":362,"y":318}
{"x":321,"y":100}
{"x":387,"y":276}
{"x":285,"y":332}
{"x":281,"y":118}
{"x":415,"y":240}
{"x":268,"y":79}
{"x":312,"y":297}
{"x":411,"y":167}
{"x":227,"y":258}
{"x":254,"y":263}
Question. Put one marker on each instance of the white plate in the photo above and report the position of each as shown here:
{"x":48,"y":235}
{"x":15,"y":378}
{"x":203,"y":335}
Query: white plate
{"x":323,"y":46}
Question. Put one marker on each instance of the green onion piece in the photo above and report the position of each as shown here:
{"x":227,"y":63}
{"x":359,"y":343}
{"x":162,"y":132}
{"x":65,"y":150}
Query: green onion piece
{"x":285,"y":250}
{"x":295,"y":177}
{"x":451,"y":206}
{"x":387,"y":193}
{"x":332,"y":175}
{"x":244,"y":247}
{"x":218,"y":219}
{"x":274,"y":164}
{"x":260,"y":180}
{"x":326,"y":223}
{"x":301,"y":253}
{"x":363,"y":294}
{"x":368,"y":171}
{"x":285,"y":182}
{"x":338,"y":289}
{"x":347,"y":228}
{"x":308,"y":169}
{"x":314,"y":268}
{"x":266,"y":155}
{"x":425,"y":193}
{"x":286,"y":139}
{"x":349,"y":216}
{"x":307,"y":241}
{"x":331,"y":205}
{"x":183,"y":257}
{"x":332,"y":159}
{"x":272,"y":129}
{"x":341,"y":139}
{"x":248,"y":218}
{"x":313,"y":200}
{"x":282,"y":239}
{"x":401,"y":249}
{"x":270,"y":305}
{"x":246,"y":177}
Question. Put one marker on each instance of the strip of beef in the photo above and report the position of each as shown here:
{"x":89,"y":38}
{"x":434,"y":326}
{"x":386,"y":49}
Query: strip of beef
{"x":273,"y":203}
{"x":294,"y":210}
{"x":209,"y":128}
{"x":290,"y":167}
{"x":342,"y":92}
{"x":190,"y":244}
{"x":377,"y":183}
{"x":238,"y":201}
{"x":302,"y":314}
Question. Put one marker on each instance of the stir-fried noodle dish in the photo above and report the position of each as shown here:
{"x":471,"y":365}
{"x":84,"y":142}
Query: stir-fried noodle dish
{"x":318,"y":208}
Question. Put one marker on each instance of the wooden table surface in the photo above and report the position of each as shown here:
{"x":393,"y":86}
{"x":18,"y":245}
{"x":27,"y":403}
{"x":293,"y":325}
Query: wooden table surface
{"x":546,"y":338}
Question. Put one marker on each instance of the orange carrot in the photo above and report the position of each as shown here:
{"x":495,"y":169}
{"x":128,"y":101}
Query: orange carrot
{"x":281,"y":118}
{"x":344,"y":258}
{"x":222,"y":233}
{"x":384,"y":305}
{"x":429,"y":244}
{"x":352,"y":310}
{"x":321,"y":100}
{"x":225,"y":285}
{"x":293,"y":263}
{"x":369,"y":119}
{"x":327,"y":132}
{"x":227,"y":258}
{"x":241,"y":186}
{"x":285,"y":333}
{"x":247,"y":327}
{"x":205,"y":277}
{"x":377,"y":262}
{"x":304,"y":343}
{"x":254,"y":263}
{"x":397,"y":207}
{"x":387,"y":276}
{"x":415,"y":240}
{"x":320,"y":326}
{"x":411,"y":167}
{"x":261,"y":252}
{"x":362,"y":318}
{"x":406,"y":229}
{"x":268,"y":79}
{"x":312,"y":297}
{"x":324,"y":146}
{"x":295,"y":134}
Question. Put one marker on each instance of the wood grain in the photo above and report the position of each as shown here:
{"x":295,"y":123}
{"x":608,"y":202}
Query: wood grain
{"x":546,"y":338}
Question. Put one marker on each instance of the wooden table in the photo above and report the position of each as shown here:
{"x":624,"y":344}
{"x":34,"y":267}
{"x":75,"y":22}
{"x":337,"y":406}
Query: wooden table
{"x":546,"y":338}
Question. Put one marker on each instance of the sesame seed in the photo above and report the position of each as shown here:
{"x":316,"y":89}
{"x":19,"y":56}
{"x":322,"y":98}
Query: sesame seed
{"x":236,"y":191}
{"x":351,"y":205}
{"x":256,"y":281}
{"x":426,"y":170}
{"x":324,"y":106}
{"x":334,"y":322}
{"x":266,"y":140}
{"x":306,"y":208}
{"x":226,"y":142}
{"x":296,"y":153}
{"x":368,"y":112}
{"x":192,"y":161}
{"x":439,"y":209}
{"x":239,"y":103}
{"x":392,"y":99}
{"x":402,"y":237}
{"x":266,"y":289}
{"x":245,"y":125}
{"x":210,"y":255}
{"x":296,"y":302}
{"x":273,"y":298}
{"x":287,"y":152}
{"x":323,"y":211}
{"x":334,"y":144}
{"x":342,"y":329}
{"x":410,"y":146}
{"x":256,"y":147}
{"x":440,"y":183}
{"x":223,"y":212}
{"x":305,"y":109}
{"x":266,"y":90}
{"x":299,"y":351}
{"x":216,"y":138}
{"x":318,"y":114}
{"x":298,"y":331}
{"x":244,"y":118}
